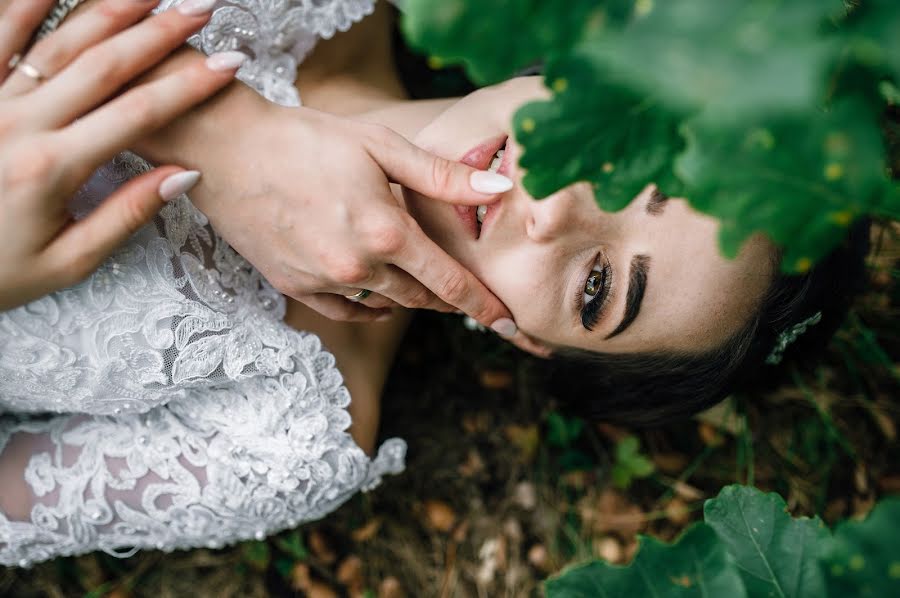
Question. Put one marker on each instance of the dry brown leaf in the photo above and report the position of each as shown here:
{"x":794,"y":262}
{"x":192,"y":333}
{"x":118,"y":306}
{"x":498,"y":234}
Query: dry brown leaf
{"x":320,"y":546}
{"x":539,"y":558}
{"x":390,"y":588}
{"x":835,"y":509}
{"x":525,"y":438}
{"x":350,"y":572}
{"x":710,"y":435}
{"x":525,"y":495}
{"x":723,"y":416}
{"x":300,"y":577}
{"x":320,"y":589}
{"x":670,"y":463}
{"x":513,"y":530}
{"x":476,"y":423}
{"x":366,"y":532}
{"x":862,"y":505}
{"x":884,"y":422}
{"x":889,"y":483}
{"x":687,"y":492}
{"x":677,"y":511}
{"x":496,"y":379}
{"x":493,"y":559}
{"x":613,"y":433}
{"x":574,"y":479}
{"x":474,"y":464}
{"x":613,"y":512}
{"x":631,"y":548}
{"x":439,"y":515}
{"x":861,"y":479}
{"x":460,"y":533}
{"x":609,"y":549}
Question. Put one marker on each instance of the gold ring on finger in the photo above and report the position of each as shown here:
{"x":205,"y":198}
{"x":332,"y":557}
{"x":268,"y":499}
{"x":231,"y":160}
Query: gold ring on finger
{"x":28,"y":69}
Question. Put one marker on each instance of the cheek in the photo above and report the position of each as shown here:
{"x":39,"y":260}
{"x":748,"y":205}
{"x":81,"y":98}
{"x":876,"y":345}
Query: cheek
{"x":528,"y":284}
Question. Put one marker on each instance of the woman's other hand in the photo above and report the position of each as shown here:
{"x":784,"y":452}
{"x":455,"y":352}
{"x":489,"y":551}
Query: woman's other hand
{"x":63,"y":113}
{"x":305,"y":197}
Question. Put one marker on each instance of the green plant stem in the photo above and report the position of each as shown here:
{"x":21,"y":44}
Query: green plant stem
{"x":824,"y":416}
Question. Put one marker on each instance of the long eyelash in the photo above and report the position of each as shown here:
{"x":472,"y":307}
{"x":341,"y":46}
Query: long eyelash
{"x":590,"y":313}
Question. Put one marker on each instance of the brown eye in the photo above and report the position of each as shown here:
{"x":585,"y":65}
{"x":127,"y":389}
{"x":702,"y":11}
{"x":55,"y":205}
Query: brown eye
{"x":594,"y":283}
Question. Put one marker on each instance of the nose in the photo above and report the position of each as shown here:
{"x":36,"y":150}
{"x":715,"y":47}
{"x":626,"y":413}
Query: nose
{"x":550,"y":217}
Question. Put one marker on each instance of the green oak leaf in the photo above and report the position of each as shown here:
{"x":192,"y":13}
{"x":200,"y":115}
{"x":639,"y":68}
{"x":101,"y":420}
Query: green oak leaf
{"x":734,"y":57}
{"x":800,"y":178}
{"x":872,"y":32}
{"x":696,"y":565}
{"x":777,"y":556}
{"x":596,"y":131}
{"x":494,"y":39}
{"x":863,"y":557}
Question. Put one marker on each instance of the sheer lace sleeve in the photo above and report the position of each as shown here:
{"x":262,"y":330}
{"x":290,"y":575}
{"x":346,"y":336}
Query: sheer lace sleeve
{"x":221,"y":466}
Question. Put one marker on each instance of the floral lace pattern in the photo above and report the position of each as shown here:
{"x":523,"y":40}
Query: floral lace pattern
{"x":189,"y":414}
{"x":276,"y":35}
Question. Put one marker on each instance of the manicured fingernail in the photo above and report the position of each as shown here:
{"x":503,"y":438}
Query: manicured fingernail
{"x":505,"y":327}
{"x":178,"y":184}
{"x":385,"y":317}
{"x":225,"y":61}
{"x":489,"y":182}
{"x":195,"y":8}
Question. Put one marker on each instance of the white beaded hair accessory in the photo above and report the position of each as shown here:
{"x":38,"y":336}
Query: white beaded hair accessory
{"x":789,"y":336}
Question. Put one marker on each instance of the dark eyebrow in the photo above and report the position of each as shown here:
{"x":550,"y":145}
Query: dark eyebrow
{"x":657,"y":202}
{"x":637,"y":284}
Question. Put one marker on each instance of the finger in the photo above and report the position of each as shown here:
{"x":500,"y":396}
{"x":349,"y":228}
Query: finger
{"x":336,"y":307}
{"x":85,"y":29}
{"x":105,"y":68}
{"x":18,"y":23}
{"x":422,"y":259}
{"x":405,"y":290}
{"x":421,"y":171}
{"x":83,"y":246}
{"x":132,"y":116}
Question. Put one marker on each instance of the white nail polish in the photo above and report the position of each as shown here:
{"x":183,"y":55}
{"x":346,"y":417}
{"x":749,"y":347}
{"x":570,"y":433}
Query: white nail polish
{"x":225,"y":61}
{"x":489,"y":182}
{"x":195,"y":8}
{"x":505,"y":327}
{"x":178,"y":184}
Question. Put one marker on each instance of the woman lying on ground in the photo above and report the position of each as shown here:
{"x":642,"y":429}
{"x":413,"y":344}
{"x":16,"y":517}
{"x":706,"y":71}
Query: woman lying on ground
{"x":196,"y":406}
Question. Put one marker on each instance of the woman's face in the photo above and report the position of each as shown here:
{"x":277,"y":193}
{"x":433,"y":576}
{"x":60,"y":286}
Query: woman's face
{"x":649,"y":277}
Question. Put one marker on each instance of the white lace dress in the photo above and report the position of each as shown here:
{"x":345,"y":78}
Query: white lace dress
{"x":162,"y":402}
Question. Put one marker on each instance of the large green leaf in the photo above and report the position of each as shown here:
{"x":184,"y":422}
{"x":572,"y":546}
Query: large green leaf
{"x":596,"y":132}
{"x":872,"y":32}
{"x":777,"y":556}
{"x":802,"y":179}
{"x":737,"y":57}
{"x":863,"y":557}
{"x":494,"y":39}
{"x":762,"y":113}
{"x":694,"y":566}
